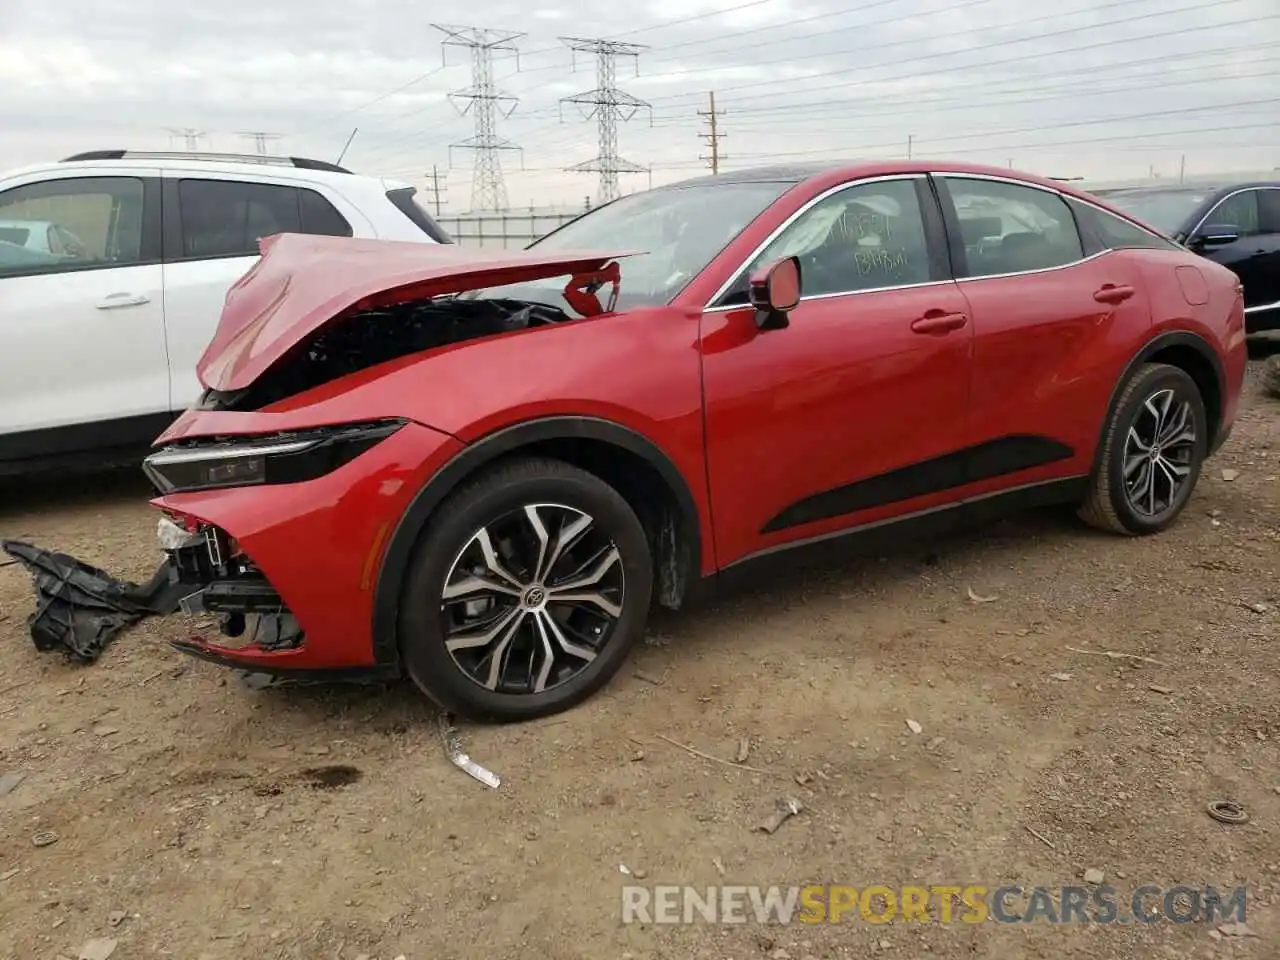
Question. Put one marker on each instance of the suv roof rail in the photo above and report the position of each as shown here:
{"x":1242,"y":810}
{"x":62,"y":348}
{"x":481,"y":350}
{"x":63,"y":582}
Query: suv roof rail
{"x":302,"y":163}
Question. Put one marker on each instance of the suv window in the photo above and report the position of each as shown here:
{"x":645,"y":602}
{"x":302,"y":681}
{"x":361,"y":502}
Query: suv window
{"x":1241,"y":211}
{"x":1116,"y":233}
{"x":1009,"y":228}
{"x":227,"y":218}
{"x":1269,"y":208}
{"x":865,"y":237}
{"x":403,"y":199}
{"x":102,"y":215}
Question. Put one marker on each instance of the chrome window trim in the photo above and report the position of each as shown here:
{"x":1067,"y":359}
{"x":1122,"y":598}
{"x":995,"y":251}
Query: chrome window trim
{"x":1212,"y":210}
{"x":1262,"y":306}
{"x":1150,"y":231}
{"x":778,"y":230}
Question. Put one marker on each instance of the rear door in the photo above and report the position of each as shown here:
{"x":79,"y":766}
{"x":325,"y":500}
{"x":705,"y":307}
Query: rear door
{"x":83,"y":362}
{"x":213,"y":223}
{"x":1048,"y":315}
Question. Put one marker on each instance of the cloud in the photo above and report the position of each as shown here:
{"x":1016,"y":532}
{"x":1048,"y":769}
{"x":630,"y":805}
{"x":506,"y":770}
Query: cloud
{"x":1085,"y":87}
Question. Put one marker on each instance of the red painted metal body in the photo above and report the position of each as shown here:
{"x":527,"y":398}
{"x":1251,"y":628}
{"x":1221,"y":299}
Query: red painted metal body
{"x":753,"y":420}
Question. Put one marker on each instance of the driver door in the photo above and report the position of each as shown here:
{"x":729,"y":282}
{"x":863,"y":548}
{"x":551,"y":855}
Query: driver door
{"x":855,"y":412}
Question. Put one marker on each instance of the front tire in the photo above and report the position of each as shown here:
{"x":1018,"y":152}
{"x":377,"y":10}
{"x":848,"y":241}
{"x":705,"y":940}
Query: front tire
{"x":1152,"y":453}
{"x":525,"y":593}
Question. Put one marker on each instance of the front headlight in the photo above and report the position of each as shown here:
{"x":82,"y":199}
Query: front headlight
{"x":269,"y":459}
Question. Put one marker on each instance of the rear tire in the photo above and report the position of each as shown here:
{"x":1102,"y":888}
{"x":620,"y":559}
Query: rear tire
{"x":483,"y":628}
{"x":1152,"y":452}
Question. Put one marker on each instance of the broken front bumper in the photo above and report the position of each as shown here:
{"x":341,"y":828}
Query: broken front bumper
{"x":289,"y":569}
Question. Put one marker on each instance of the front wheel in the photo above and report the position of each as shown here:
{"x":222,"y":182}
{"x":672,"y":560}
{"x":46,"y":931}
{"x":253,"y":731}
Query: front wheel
{"x":526,"y":592}
{"x":1152,"y":452}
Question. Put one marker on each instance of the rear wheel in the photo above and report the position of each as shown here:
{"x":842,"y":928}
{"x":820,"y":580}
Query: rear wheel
{"x":1152,"y":453}
{"x":526,"y":592}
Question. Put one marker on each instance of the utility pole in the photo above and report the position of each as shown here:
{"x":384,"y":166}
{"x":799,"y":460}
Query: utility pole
{"x":435,"y":178}
{"x":486,"y":103}
{"x":1182,"y":169}
{"x":713,"y":136}
{"x":608,"y":105}
{"x":260,"y":139}
{"x":190,"y":136}
{"x":910,"y":140}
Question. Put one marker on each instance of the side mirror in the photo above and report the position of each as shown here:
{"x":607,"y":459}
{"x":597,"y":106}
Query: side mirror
{"x":1216,"y":235}
{"x":774,"y":290}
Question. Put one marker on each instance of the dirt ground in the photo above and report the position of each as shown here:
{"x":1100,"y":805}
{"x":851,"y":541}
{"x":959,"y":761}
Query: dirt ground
{"x":182,"y":799}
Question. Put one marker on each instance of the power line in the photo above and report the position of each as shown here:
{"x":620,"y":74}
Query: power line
{"x":1053,"y":34}
{"x":484,"y":100}
{"x":608,"y":105}
{"x":799,"y":114}
{"x":713,"y":136}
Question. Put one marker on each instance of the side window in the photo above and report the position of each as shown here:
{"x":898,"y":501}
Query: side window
{"x":1269,"y":209}
{"x":1116,"y":233}
{"x":319,"y":216}
{"x":1240,"y":211}
{"x":865,"y":237}
{"x":1009,"y":228}
{"x":102,"y":215}
{"x":227,"y":218}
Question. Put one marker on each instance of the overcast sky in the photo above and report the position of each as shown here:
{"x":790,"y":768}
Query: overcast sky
{"x":1095,"y":88}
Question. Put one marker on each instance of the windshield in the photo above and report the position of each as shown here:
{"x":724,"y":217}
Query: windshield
{"x":679,"y":229}
{"x":1166,"y":210}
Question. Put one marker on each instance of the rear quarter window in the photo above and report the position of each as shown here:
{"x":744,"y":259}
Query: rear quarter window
{"x":1116,"y":233}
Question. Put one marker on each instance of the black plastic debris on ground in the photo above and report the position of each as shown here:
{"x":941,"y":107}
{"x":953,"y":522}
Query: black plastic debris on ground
{"x":79,"y":608}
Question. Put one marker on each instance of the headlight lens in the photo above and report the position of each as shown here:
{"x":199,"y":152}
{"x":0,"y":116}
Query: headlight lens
{"x":252,"y":461}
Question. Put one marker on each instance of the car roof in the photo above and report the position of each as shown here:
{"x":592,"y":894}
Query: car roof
{"x":835,"y":172}
{"x":293,"y":168}
{"x":1211,"y":187}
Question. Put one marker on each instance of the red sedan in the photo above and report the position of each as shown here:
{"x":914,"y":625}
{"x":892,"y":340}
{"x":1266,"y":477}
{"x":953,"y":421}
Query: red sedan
{"x":480,"y":469}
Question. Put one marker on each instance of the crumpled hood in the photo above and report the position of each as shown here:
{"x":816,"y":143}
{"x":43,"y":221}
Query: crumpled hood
{"x":302,"y":282}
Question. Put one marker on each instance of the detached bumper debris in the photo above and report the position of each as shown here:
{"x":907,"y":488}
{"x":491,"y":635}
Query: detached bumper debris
{"x":79,"y":608}
{"x":458,"y":757}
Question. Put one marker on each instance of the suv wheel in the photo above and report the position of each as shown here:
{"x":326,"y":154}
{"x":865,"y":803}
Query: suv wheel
{"x":1152,"y":452}
{"x":526,"y":592}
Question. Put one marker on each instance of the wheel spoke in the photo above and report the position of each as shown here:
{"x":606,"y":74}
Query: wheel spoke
{"x":1176,"y":426}
{"x":548,"y":623}
{"x":544,"y":538}
{"x":498,"y":656}
{"x":1179,"y":470}
{"x":470,"y":585}
{"x":1135,"y":440}
{"x":492,"y":561}
{"x":569,"y":534}
{"x":603,"y":565}
{"x":1133,"y":463}
{"x":488,"y":634}
{"x":1142,"y":484}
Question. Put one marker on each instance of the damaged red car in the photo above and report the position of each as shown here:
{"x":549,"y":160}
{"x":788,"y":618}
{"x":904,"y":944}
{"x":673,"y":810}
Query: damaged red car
{"x":481,"y":469}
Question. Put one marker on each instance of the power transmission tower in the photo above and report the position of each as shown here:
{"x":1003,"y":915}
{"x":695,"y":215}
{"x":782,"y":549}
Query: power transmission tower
{"x":190,"y":136}
{"x":485,"y":102}
{"x":260,"y":139}
{"x":436,"y":187}
{"x":608,"y":105}
{"x":713,"y":136}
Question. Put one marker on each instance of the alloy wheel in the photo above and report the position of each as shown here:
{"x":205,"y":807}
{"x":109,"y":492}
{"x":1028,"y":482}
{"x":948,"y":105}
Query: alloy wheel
{"x":1159,"y":452}
{"x":532,"y":599}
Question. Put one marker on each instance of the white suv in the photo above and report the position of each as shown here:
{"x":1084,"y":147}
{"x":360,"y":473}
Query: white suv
{"x":100,"y":332}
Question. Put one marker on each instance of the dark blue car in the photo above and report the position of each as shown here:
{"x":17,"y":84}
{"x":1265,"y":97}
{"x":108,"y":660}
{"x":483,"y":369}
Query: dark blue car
{"x":1236,"y":224}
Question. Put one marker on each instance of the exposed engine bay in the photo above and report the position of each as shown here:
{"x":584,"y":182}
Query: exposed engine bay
{"x":366,"y":338}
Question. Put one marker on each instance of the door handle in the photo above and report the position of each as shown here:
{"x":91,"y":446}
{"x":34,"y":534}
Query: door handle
{"x":1113,"y":293}
{"x":939,"y":321}
{"x":114,"y":300}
